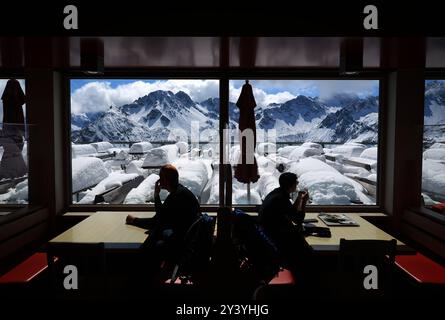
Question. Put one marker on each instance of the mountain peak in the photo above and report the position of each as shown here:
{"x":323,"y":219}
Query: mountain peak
{"x":185,"y":98}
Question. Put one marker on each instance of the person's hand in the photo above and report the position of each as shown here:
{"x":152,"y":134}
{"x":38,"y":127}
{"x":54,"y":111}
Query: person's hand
{"x":129,"y":219}
{"x":305,"y":195}
{"x":157,"y":188}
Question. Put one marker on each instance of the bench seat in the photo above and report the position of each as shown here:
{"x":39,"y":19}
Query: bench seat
{"x":421,"y":268}
{"x":27,"y":270}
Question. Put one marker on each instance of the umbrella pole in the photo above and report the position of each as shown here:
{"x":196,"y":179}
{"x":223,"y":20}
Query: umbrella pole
{"x":248,"y":192}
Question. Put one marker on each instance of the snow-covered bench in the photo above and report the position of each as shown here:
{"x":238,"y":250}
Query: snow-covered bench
{"x":86,"y":173}
{"x":367,"y":164}
{"x":121,"y":183}
{"x":119,"y":192}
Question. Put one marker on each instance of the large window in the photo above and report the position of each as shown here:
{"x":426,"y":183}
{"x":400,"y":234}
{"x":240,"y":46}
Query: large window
{"x":325,"y":131}
{"x":433,"y":172}
{"x":123,"y":131}
{"x":13,"y":143}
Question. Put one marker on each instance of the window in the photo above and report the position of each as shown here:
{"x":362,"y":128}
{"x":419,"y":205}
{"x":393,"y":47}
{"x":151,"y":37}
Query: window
{"x":433,"y":171}
{"x":13,"y":146}
{"x":124,"y":130}
{"x":325,"y":131}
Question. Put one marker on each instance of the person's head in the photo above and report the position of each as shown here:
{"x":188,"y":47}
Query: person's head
{"x":168,"y":177}
{"x":288,"y":181}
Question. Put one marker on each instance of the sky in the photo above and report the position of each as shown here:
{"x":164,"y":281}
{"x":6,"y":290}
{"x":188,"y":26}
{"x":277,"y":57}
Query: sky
{"x":97,"y":95}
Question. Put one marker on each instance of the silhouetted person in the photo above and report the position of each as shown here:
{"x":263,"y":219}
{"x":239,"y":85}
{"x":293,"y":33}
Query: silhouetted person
{"x":282,"y":222}
{"x":171,"y":221}
{"x":12,"y":164}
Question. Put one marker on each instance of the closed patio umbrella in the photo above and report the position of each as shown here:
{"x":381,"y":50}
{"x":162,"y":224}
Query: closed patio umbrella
{"x":13,"y":99}
{"x":246,"y":172}
{"x":12,"y":164}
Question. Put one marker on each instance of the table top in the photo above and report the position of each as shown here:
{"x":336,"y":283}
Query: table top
{"x":110,"y":228}
{"x":107,"y":227}
{"x":365,"y":231}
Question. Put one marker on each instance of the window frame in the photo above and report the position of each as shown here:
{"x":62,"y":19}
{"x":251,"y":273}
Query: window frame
{"x":224,"y":74}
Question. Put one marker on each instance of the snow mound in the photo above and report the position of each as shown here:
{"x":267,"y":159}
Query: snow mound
{"x":434,"y":154}
{"x":135,"y":166}
{"x":304,"y":152}
{"x":121,"y":155}
{"x":265,"y":164}
{"x":161,"y":156}
{"x":349,"y":149}
{"x":193,"y":174}
{"x":438,"y":145}
{"x":103,"y":146}
{"x":286,"y":151}
{"x":313,"y":145}
{"x":332,"y":188}
{"x":266,"y":183}
{"x":310,"y":165}
{"x":240,"y":197}
{"x":144,"y":192}
{"x":433,"y":177}
{"x":369,"y":153}
{"x":183,"y":147}
{"x":79,"y":150}
{"x":140,"y":147}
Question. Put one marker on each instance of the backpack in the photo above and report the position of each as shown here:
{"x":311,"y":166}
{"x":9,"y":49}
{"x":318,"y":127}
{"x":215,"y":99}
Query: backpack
{"x":196,"y":250}
{"x":256,"y":250}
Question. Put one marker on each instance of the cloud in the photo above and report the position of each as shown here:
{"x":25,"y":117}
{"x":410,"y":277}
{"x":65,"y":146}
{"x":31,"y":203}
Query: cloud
{"x":99,"y":95}
{"x":261,"y":97}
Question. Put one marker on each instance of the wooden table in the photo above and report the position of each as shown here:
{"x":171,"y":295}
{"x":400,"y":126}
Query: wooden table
{"x":107,"y":227}
{"x":365,"y":231}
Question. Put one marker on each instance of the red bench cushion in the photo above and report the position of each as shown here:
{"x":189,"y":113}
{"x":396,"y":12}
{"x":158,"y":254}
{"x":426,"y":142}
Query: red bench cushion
{"x":421,"y":268}
{"x":440,"y":207}
{"x":26,"y":270}
{"x":283,"y":277}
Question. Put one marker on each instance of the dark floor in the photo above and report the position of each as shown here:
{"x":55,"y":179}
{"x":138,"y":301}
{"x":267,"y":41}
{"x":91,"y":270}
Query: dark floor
{"x":123,"y":281}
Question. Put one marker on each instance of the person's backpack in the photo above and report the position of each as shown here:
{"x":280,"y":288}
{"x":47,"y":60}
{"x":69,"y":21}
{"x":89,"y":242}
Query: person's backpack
{"x":196,"y":250}
{"x":256,"y":250}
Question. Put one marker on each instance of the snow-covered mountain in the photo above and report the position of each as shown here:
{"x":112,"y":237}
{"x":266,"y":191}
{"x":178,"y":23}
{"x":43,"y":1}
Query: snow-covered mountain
{"x":154,"y":117}
{"x":79,"y":121}
{"x":356,"y":121}
{"x":158,"y":115}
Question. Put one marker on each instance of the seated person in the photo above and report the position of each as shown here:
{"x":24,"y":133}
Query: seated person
{"x":282,"y":222}
{"x":172,"y":219}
